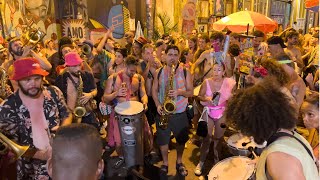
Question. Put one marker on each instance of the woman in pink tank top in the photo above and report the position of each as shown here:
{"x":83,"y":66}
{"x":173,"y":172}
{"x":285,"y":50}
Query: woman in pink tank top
{"x":214,"y":93}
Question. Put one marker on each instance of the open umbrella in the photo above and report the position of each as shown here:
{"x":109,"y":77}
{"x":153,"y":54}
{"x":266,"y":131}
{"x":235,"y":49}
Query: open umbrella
{"x":238,"y":22}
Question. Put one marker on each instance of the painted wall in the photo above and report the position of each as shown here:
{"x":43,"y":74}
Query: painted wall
{"x":19,"y":15}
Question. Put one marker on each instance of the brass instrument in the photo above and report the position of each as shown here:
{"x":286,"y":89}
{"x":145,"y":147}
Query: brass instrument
{"x":86,"y":49}
{"x":3,"y":83}
{"x":32,"y":37}
{"x":169,"y":105}
{"x":79,"y":111}
{"x":17,"y":149}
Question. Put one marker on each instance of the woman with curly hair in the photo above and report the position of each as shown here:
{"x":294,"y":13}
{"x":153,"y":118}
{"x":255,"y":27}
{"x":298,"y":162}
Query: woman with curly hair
{"x":261,"y":111}
{"x":214,"y":93}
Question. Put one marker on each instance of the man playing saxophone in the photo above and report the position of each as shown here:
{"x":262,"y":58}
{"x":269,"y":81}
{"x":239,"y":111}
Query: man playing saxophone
{"x":180,"y":88}
{"x":78,"y":91}
{"x":30,"y":114}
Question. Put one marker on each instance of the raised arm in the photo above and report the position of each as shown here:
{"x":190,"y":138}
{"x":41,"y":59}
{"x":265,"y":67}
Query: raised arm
{"x":104,"y":39}
{"x":203,"y":56}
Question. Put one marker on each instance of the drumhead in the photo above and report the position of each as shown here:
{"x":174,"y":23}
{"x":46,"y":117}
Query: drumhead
{"x":236,"y":140}
{"x":129,"y":108}
{"x":235,"y":168}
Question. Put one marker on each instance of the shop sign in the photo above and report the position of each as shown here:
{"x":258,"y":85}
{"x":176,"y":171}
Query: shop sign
{"x":73,"y":28}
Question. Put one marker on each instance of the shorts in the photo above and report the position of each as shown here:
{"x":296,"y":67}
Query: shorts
{"x":152,"y":111}
{"x":178,"y":124}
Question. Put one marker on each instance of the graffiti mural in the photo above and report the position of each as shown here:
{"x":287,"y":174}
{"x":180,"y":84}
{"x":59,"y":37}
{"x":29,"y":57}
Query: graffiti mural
{"x":20,"y":15}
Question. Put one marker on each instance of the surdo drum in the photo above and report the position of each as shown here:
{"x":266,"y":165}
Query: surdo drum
{"x":130,"y":119}
{"x":235,"y":168}
{"x":239,"y":145}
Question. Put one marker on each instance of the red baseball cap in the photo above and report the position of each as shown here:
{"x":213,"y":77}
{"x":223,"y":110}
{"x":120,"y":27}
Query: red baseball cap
{"x":26,"y":67}
{"x":72,"y":59}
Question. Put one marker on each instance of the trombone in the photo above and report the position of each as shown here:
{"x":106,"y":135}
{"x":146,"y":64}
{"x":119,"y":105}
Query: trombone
{"x":32,"y":37}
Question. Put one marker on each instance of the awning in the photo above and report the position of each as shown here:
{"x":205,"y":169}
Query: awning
{"x":312,"y":5}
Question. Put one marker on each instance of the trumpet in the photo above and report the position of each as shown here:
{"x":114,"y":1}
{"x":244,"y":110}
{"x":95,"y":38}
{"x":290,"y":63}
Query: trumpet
{"x":86,"y":49}
{"x":7,"y":143}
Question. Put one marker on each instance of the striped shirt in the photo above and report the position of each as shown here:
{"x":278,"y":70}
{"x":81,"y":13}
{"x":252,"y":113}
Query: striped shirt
{"x":179,"y":82}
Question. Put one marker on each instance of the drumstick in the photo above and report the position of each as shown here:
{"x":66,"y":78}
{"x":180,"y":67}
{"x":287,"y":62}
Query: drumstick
{"x":223,"y":125}
{"x":250,"y":148}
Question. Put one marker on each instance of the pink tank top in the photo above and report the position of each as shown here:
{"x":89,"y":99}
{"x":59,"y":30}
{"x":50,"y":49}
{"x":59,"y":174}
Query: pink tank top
{"x":216,"y":112}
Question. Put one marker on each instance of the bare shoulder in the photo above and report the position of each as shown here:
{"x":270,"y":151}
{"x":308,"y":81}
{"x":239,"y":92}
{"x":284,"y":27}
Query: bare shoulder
{"x":279,"y":164}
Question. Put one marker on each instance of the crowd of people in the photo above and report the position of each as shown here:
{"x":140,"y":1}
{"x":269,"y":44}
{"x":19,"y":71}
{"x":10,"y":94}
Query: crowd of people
{"x":60,"y":95}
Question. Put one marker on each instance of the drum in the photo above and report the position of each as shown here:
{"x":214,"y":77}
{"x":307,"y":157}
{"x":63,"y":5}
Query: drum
{"x":238,"y":145}
{"x":131,"y":124}
{"x":196,"y":90}
{"x":235,"y":168}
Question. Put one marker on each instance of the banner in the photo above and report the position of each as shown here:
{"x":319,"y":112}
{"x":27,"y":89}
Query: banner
{"x":73,"y":28}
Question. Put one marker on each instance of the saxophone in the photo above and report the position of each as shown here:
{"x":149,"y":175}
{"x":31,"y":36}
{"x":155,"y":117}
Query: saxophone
{"x":169,"y":104}
{"x":79,"y":111}
{"x":5,"y":90}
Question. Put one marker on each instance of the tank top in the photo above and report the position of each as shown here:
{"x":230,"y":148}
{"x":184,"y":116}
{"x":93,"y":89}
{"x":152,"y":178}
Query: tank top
{"x":179,"y":82}
{"x":292,"y":147}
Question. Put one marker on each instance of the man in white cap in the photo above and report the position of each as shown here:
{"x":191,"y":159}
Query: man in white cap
{"x":30,"y":115}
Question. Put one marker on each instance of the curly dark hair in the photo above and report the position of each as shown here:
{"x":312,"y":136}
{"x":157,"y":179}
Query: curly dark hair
{"x":260,"y":111}
{"x":276,"y":70}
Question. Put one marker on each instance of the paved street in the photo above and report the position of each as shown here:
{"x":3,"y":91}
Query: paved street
{"x":190,"y":159}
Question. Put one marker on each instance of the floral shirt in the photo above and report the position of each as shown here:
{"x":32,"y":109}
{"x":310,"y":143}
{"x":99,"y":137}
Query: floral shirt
{"x":15,"y":123}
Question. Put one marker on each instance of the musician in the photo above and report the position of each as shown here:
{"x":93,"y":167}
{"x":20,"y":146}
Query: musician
{"x":178,"y":121}
{"x":28,"y":115}
{"x":69,"y":82}
{"x":18,"y":51}
{"x":262,"y":111}
{"x":124,"y":86}
{"x":71,"y":144}
{"x":214,"y":93}
{"x":57,"y":60}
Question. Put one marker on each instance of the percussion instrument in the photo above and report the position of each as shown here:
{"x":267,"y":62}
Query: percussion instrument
{"x":196,"y":90}
{"x":235,"y":168}
{"x":130,"y":119}
{"x":238,"y":145}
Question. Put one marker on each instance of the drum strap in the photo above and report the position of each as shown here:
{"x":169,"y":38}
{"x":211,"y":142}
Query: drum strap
{"x":282,"y":134}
